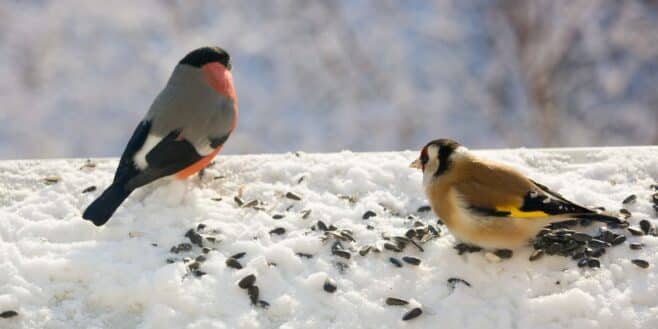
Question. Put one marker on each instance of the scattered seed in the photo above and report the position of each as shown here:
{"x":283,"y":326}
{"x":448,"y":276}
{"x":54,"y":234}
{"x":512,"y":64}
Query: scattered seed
{"x":598,"y":243}
{"x":247,"y":281}
{"x":300,"y":180}
{"x":414,"y":313}
{"x":329,"y":285}
{"x":342,"y":253}
{"x":51,"y":180}
{"x":396,"y":301}
{"x":263,"y":304}
{"x":277,"y":216}
{"x":293,"y":196}
{"x":625,"y":213}
{"x":8,"y":314}
{"x":392,"y":247}
{"x":198,"y":273}
{"x":89,"y":189}
{"x":216,"y":199}
{"x":395,"y":261}
{"x":411,"y":260}
{"x":305,"y":213}
{"x":233,"y":263}
{"x":368,"y":214}
{"x":630,"y":199}
{"x":581,"y":237}
{"x":411,"y":233}
{"x":194,"y":237}
{"x":365,"y":250}
{"x":593,"y":262}
{"x":417,"y":246}
{"x":538,"y":253}
{"x":492,"y":257}
{"x":253,"y":293}
{"x":635,"y":231}
{"x":583,"y":262}
{"x":636,"y":246}
{"x":278,"y":231}
{"x":170,"y":260}
{"x":464,"y":247}
{"x":654,"y":198}
{"x":88,"y":165}
{"x":250,"y":204}
{"x":194,"y":266}
{"x":424,"y":209}
{"x":304,"y":255}
{"x":654,"y":187}
{"x":200,"y":258}
{"x":182,"y":247}
{"x":200,"y":227}
{"x":640,"y":263}
{"x":503,"y":253}
{"x":211,"y":239}
{"x":322,"y":226}
{"x":238,"y":201}
{"x":645,"y":225}
{"x":619,"y":239}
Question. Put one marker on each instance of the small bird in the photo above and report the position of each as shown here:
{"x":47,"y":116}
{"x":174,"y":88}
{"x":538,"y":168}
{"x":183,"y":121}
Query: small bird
{"x":488,"y":204}
{"x":184,"y":129}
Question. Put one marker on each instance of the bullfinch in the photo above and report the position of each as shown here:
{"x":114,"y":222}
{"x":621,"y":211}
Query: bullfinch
{"x":184,"y":129}
{"x":488,"y":204}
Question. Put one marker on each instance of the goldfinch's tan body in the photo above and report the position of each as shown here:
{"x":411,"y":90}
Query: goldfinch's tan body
{"x":489,"y":204}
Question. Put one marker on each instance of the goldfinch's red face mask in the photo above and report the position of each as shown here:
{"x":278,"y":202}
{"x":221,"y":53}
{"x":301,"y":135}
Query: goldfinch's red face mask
{"x":421,"y":161}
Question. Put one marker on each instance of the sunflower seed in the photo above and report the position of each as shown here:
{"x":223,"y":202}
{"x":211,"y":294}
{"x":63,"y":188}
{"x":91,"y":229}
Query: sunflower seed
{"x":250,"y":204}
{"x":396,"y":301}
{"x":466,"y":248}
{"x":342,"y":253}
{"x":194,"y":266}
{"x":645,"y":225}
{"x":536,"y":255}
{"x":216,"y":199}
{"x":278,"y":231}
{"x":581,"y":237}
{"x":247,"y":281}
{"x":395,"y":261}
{"x":654,"y":198}
{"x":293,"y":196}
{"x":253,"y":293}
{"x":392,"y":247}
{"x":635,"y":231}
{"x":329,"y":285}
{"x":51,"y":180}
{"x":365,"y":250}
{"x":200,"y":258}
{"x":198,"y":273}
{"x":453,"y":281}
{"x":233,"y":263}
{"x":8,"y":314}
{"x":630,"y":199}
{"x":583,"y":262}
{"x":411,"y":260}
{"x":322,"y":226}
{"x":238,"y":201}
{"x":89,"y":189}
{"x":593,"y":262}
{"x":654,"y":187}
{"x":277,"y":216}
{"x":625,"y":213}
{"x":598,"y":243}
{"x":640,"y":263}
{"x":181,"y":247}
{"x":170,"y":260}
{"x":88,"y":165}
{"x":503,"y":253}
{"x":263,"y":304}
{"x":305,"y":213}
{"x":304,"y":255}
{"x":194,"y":237}
{"x":424,"y":209}
{"x":414,"y":313}
{"x":636,"y":246}
{"x":619,"y":239}
{"x":368,"y":214}
{"x":411,"y":233}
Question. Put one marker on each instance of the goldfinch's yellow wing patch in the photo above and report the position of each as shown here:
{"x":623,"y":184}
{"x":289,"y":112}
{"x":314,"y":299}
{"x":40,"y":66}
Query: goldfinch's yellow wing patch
{"x":518,"y":213}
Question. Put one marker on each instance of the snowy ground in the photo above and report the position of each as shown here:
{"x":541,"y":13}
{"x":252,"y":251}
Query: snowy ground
{"x":58,"y":271}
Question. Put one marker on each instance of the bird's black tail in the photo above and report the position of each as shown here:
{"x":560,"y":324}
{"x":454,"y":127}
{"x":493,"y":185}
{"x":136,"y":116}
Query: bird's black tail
{"x":100,"y":211}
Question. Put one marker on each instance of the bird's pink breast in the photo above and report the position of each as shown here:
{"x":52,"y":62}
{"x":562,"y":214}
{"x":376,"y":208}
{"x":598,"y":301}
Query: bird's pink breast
{"x":222,"y":81}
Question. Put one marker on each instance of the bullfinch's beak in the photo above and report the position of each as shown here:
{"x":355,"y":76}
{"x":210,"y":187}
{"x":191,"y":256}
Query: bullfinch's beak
{"x":416,"y":164}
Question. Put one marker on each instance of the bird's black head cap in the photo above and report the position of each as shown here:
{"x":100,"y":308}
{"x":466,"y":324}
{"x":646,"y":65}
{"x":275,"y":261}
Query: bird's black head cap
{"x":204,"y":55}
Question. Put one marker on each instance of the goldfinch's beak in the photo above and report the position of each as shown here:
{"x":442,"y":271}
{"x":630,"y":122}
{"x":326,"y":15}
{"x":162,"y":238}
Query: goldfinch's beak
{"x":416,"y":164}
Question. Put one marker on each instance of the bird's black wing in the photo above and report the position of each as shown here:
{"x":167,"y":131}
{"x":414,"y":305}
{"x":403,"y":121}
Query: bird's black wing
{"x":126,"y":168}
{"x":168,"y":157}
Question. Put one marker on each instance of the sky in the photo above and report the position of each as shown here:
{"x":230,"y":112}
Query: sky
{"x":331,"y":76}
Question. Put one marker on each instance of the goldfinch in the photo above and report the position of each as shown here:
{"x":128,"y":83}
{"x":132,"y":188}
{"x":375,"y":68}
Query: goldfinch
{"x":184,"y":129}
{"x":488,"y":204}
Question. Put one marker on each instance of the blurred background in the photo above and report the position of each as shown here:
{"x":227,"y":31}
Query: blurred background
{"x":317,"y":76}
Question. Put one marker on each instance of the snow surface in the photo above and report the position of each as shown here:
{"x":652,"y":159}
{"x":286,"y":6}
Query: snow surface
{"x":58,"y":271}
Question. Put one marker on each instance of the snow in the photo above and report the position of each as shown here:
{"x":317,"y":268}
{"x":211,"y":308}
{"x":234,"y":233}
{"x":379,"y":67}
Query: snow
{"x":58,"y":271}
